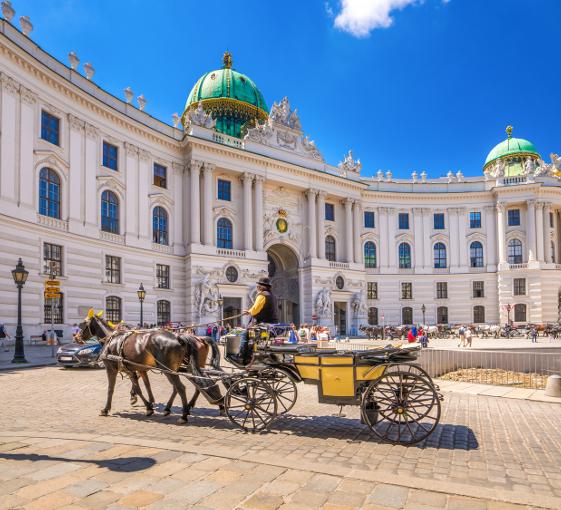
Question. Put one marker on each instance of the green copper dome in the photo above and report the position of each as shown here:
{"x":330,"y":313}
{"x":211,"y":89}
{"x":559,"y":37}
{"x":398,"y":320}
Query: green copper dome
{"x":231,"y":97}
{"x":511,"y":147}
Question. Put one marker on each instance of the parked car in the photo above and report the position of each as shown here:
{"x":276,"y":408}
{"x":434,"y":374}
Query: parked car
{"x":80,"y":355}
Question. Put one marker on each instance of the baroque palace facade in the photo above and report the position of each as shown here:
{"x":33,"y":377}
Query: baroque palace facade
{"x":111,"y":197}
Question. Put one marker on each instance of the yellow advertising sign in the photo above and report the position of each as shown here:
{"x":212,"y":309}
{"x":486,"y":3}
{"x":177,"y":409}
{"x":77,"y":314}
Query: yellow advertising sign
{"x":52,"y":283}
{"x":52,"y":295}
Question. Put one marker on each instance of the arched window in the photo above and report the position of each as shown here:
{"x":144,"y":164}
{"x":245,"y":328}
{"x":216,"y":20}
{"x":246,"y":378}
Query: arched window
{"x":515,"y":251}
{"x":113,"y":308}
{"x":224,"y":233}
{"x":49,"y":193}
{"x":109,"y":212}
{"x":404,"y":256}
{"x":407,"y":315}
{"x":476,"y":254}
{"x":479,"y":314}
{"x":163,"y":308}
{"x":442,"y":315}
{"x":439,"y":255}
{"x":373,"y":316}
{"x":520,"y":312}
{"x":330,"y":248}
{"x":370,"y":255}
{"x":160,"y":226}
{"x":552,"y":252}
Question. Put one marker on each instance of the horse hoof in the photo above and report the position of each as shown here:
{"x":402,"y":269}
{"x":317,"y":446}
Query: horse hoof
{"x":104,"y":412}
{"x":134,"y":400}
{"x":167,"y":412}
{"x":149,"y":412}
{"x":182,"y":420}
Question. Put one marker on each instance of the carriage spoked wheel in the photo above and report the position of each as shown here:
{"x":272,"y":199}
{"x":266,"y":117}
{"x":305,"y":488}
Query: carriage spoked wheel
{"x":283,"y":386}
{"x":401,"y":407}
{"x":251,"y":404}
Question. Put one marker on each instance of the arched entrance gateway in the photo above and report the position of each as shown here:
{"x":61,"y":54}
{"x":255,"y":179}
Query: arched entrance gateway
{"x":283,"y":272}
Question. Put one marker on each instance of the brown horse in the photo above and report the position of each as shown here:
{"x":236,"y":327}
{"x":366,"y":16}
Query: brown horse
{"x":145,"y":350}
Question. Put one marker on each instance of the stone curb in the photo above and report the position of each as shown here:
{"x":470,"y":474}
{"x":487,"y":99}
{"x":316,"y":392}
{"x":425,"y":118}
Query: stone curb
{"x":378,"y":476}
{"x":19,"y":366}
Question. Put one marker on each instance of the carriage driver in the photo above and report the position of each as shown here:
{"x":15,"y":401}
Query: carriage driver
{"x":264,"y":310}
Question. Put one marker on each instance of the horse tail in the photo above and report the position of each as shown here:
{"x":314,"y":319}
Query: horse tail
{"x":215,"y":357}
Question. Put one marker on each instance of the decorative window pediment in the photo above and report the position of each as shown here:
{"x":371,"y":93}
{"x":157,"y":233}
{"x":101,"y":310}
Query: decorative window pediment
{"x":51,"y":159}
{"x":161,"y":199}
{"x":439,"y":237}
{"x":109,"y":181}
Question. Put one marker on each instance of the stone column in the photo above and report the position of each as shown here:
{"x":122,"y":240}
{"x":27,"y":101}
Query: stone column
{"x":462,"y":248}
{"x":391,"y":222}
{"x":357,"y":231}
{"x":426,"y":247}
{"x":26,"y":158}
{"x":530,"y":229}
{"x":418,"y":235}
{"x":247,"y":180}
{"x":177,"y":180}
{"x":259,"y":212}
{"x":454,"y":238}
{"x":195,"y":169}
{"x":321,"y":224}
{"x":9,"y":118}
{"x":501,"y":231}
{"x":491,"y":229}
{"x":546,"y":232}
{"x":349,"y":252}
{"x":207,"y":204}
{"x":312,"y":235}
{"x":384,"y":240}
{"x":539,"y":231}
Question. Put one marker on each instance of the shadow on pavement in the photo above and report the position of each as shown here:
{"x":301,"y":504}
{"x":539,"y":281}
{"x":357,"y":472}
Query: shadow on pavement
{"x":445,"y":436}
{"x":123,"y":464}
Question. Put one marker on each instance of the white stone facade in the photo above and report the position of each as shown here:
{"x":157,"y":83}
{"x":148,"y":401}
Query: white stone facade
{"x":275,"y":172}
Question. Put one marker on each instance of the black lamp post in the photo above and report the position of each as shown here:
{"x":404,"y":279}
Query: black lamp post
{"x":508,"y":309}
{"x":141,"y":293}
{"x":20,"y":277}
{"x":424,"y":309}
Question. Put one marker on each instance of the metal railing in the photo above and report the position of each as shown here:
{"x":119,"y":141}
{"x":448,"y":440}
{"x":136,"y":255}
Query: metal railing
{"x":528,"y":370}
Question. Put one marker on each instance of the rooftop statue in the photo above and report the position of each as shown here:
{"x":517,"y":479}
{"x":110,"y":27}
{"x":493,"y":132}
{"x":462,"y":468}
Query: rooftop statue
{"x":198,"y":117}
{"x":349,"y":164}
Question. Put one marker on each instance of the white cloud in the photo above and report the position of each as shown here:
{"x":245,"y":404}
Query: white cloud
{"x":360,"y":17}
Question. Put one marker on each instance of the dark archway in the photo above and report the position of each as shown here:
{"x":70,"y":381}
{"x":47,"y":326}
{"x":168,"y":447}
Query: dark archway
{"x":283,"y":272}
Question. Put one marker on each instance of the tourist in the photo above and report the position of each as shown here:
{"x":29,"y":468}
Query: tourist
{"x":468,"y":336}
{"x":304,"y":333}
{"x":410,"y":336}
{"x":3,"y":335}
{"x":462,"y":333}
{"x":534,"y":335}
{"x":75,"y":331}
{"x":293,"y":337}
{"x":314,"y":334}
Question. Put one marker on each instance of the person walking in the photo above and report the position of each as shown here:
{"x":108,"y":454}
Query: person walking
{"x":468,"y":337}
{"x":3,"y":335}
{"x":534,"y":335}
{"x":462,"y":333}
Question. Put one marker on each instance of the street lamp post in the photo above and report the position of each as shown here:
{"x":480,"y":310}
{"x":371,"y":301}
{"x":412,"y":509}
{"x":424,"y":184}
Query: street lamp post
{"x":19,"y":275}
{"x":508,"y":309}
{"x":424,"y":309}
{"x":141,"y":293}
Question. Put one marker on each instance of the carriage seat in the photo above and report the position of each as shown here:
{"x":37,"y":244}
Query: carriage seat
{"x":292,"y":349}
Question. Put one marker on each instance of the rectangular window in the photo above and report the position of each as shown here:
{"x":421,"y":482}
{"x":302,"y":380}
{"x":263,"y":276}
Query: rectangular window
{"x":513,"y":217}
{"x":50,"y":128}
{"x":441,"y":290}
{"x":160,"y":176}
{"x":112,"y":269}
{"x":110,"y":156}
{"x":439,"y":221}
{"x":52,"y":259}
{"x":475,"y":219}
{"x":551,"y":225}
{"x":371,"y":290}
{"x":162,"y":276}
{"x":54,"y":308}
{"x":403,"y":221}
{"x":478,"y":289}
{"x":520,"y":286}
{"x":369,"y":219}
{"x":329,"y":212}
{"x":224,"y":190}
{"x":407,"y":290}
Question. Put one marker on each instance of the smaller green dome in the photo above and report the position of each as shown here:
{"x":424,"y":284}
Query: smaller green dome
{"x":511,"y":147}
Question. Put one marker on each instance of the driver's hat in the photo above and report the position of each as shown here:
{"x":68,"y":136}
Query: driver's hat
{"x":266,"y":282}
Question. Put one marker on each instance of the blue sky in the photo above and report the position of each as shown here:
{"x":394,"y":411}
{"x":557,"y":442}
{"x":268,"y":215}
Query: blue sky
{"x":407,"y":84}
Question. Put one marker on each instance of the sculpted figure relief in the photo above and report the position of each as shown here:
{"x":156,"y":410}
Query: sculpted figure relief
{"x":206,"y":296}
{"x":199,"y":117}
{"x":349,"y":164}
{"x":324,"y":305}
{"x":359,"y":305}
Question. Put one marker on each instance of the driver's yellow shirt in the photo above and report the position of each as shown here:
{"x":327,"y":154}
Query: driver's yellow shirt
{"x":258,"y":305}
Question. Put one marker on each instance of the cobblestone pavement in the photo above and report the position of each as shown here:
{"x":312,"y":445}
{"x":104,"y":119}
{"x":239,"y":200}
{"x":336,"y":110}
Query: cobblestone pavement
{"x":55,"y":451}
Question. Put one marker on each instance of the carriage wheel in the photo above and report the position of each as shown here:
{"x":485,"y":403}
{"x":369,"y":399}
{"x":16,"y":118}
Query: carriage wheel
{"x":401,"y":407}
{"x":283,"y":386}
{"x":251,"y":404}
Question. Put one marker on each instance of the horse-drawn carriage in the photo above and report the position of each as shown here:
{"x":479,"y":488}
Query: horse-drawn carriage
{"x":397,"y":398}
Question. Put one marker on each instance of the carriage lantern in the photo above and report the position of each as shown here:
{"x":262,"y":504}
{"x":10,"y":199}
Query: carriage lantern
{"x":141,"y":293}
{"x":19,"y":275}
